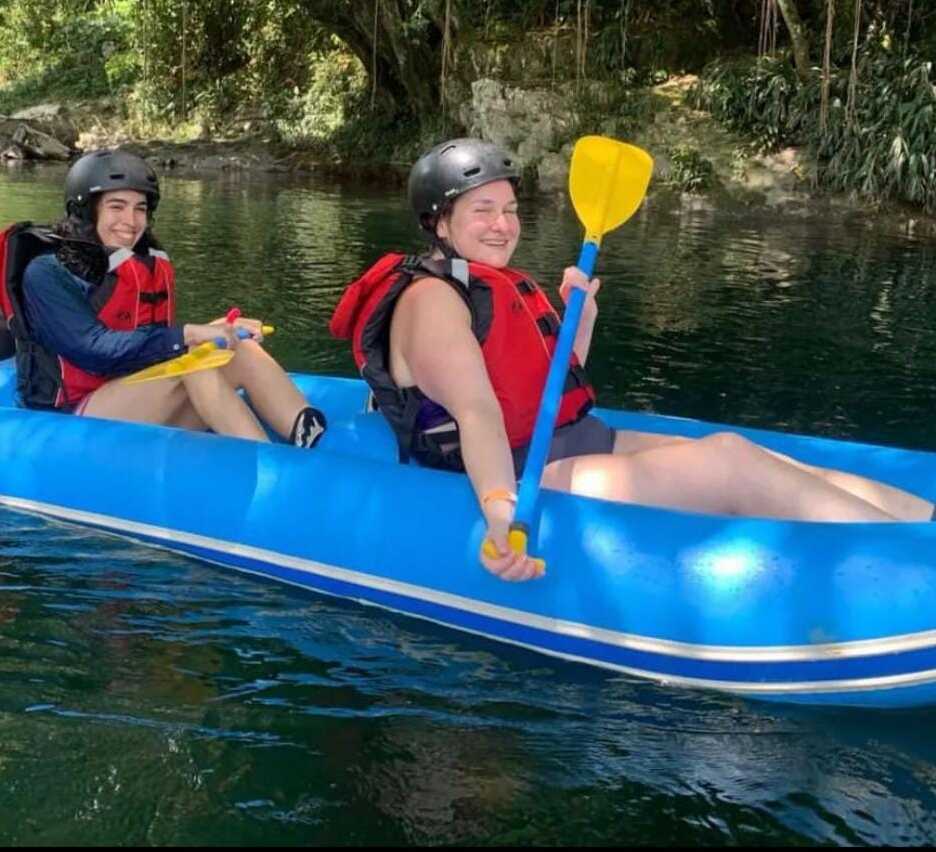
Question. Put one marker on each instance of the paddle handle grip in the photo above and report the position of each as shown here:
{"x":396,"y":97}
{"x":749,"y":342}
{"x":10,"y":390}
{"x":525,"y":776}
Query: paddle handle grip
{"x":552,"y":394}
{"x":490,"y":550}
{"x":242,"y":333}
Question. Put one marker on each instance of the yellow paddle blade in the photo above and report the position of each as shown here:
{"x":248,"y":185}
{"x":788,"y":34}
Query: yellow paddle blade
{"x":205,"y":356}
{"x":607,"y":181}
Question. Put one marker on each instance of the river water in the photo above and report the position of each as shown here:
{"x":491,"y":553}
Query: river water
{"x":146,"y":698}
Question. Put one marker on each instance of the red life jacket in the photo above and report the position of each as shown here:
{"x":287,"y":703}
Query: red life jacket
{"x":136,"y":291}
{"x":514,"y":323}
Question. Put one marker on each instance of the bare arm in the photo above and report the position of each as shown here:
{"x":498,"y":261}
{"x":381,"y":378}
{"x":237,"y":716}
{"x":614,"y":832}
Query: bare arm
{"x":432,"y":346}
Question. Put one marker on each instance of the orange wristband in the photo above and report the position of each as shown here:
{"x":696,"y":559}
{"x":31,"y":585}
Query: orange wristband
{"x":497,"y":494}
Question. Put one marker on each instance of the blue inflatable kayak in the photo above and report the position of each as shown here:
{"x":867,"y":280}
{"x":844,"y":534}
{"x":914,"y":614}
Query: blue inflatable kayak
{"x":806,"y":612}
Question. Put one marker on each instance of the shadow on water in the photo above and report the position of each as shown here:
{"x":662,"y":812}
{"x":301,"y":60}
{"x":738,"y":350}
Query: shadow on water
{"x":145,"y":698}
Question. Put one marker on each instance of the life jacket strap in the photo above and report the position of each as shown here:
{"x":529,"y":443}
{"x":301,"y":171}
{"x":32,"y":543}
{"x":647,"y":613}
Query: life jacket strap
{"x":548,"y":325}
{"x":575,"y":378}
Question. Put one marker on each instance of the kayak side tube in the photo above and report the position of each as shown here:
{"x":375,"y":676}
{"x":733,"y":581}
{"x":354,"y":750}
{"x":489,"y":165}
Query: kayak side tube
{"x":793,"y":611}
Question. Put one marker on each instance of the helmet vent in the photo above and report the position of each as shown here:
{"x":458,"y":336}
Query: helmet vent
{"x":472,"y":172}
{"x":117,"y":176}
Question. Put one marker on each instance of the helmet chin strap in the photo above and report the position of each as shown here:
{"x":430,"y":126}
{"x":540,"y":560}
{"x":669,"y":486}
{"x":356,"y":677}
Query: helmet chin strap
{"x":443,"y":245}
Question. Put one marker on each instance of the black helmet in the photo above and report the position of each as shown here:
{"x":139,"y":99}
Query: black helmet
{"x":106,"y":170}
{"x":451,"y":169}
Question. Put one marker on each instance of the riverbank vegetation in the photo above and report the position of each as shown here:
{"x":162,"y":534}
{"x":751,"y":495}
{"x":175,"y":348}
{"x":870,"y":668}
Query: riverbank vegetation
{"x":849,"y":81}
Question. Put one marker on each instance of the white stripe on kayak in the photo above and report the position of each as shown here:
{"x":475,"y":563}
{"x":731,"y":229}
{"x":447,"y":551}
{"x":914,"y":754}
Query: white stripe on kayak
{"x":685,"y":650}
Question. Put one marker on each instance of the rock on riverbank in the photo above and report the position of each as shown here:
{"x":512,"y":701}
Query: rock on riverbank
{"x":43,"y":132}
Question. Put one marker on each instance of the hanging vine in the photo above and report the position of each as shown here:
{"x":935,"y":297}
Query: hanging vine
{"x":909,"y":22}
{"x":373,"y":93}
{"x":555,"y":52}
{"x":144,"y":28}
{"x":767,"y":41}
{"x":625,"y":20}
{"x":587,"y":16}
{"x":184,"y":25}
{"x":827,"y":67}
{"x":446,"y":47}
{"x":853,"y":75}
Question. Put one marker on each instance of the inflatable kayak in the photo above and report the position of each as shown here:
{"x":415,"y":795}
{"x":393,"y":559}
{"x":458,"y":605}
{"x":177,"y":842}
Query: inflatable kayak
{"x":806,"y":612}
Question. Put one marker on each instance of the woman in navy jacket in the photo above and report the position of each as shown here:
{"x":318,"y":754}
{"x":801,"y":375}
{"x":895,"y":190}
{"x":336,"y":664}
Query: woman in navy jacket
{"x":101,"y":305}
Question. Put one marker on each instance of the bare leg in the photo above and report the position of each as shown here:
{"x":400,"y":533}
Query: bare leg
{"x":197,"y":401}
{"x":901,"y":504}
{"x":895,"y":502}
{"x":272,"y":392}
{"x":217,"y":402}
{"x":164,"y":403}
{"x":722,"y":474}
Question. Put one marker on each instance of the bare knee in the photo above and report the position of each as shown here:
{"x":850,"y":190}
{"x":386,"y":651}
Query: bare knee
{"x":247,"y":357}
{"x":728,"y":445}
{"x":557,"y":475}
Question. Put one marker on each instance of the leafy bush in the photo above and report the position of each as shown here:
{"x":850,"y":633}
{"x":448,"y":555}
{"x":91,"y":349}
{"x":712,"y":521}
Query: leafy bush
{"x":337,"y":87}
{"x":762,"y":99}
{"x":47,"y":52}
{"x":888,"y":148}
{"x":884,"y":148}
{"x":690,"y":171}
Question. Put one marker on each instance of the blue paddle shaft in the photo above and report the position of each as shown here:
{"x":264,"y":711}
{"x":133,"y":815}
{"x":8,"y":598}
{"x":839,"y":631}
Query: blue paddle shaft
{"x":552,"y":393}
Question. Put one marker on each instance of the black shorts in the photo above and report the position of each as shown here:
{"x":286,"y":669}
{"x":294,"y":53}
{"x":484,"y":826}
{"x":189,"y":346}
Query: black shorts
{"x":586,"y":437}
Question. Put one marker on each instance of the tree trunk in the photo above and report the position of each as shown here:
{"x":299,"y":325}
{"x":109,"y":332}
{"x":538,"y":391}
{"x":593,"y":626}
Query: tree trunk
{"x":799,"y":37}
{"x":408,"y":64}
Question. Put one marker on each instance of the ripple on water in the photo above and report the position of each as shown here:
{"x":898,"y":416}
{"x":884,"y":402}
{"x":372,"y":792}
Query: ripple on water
{"x":167,"y":702}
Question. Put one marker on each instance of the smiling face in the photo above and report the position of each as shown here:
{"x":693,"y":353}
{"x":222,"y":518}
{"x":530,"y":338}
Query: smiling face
{"x":121,"y":218}
{"x":483,"y":226}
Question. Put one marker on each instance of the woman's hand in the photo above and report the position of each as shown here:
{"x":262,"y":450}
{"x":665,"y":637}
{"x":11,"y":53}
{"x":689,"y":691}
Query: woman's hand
{"x":574,"y":277}
{"x":253,"y":327}
{"x":510,"y":566}
{"x":195,"y":333}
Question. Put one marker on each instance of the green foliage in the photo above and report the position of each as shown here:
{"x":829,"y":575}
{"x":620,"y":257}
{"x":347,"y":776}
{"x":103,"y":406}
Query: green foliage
{"x":762,"y":99}
{"x":335,"y":92}
{"x":371,"y":135}
{"x":613,"y":108}
{"x":302,"y":70}
{"x":690,"y":170}
{"x":888,"y":149}
{"x":60,"y":49}
{"x":884,"y":148}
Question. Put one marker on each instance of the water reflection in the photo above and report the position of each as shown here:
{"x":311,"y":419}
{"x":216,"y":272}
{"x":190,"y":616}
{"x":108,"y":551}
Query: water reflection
{"x":810,"y":323}
{"x":168,"y":702}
